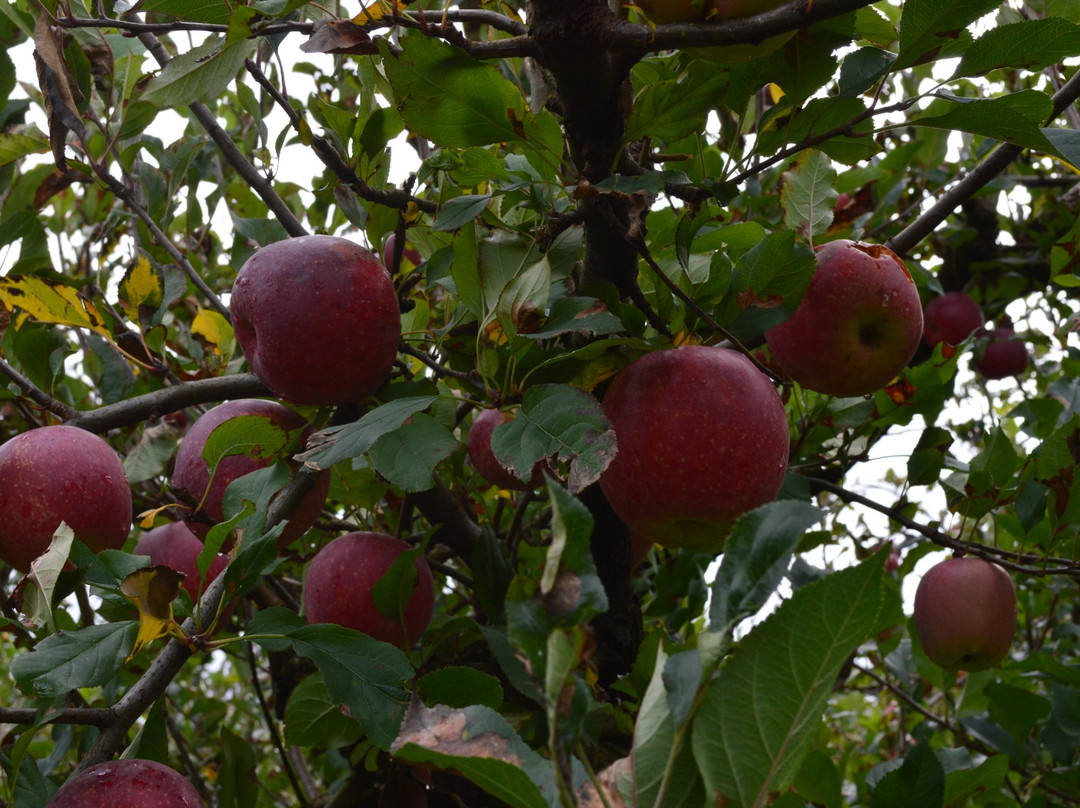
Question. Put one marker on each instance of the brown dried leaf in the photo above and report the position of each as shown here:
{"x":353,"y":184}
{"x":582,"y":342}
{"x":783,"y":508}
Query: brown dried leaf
{"x":443,"y":729}
{"x":58,"y":86}
{"x":340,"y":36}
{"x":589,"y":797}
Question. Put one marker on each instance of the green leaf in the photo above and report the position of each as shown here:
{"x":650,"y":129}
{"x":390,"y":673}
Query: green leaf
{"x":69,"y":660}
{"x":962,"y":784}
{"x":365,"y":675}
{"x":1016,"y":709}
{"x":557,"y":420}
{"x":209,"y":11}
{"x":16,"y":146}
{"x":928,"y":26}
{"x":237,"y":781}
{"x":445,"y":95}
{"x":569,"y":577}
{"x":671,"y":110}
{"x":200,"y":74}
{"x":863,"y":69}
{"x":758,"y":718}
{"x":480,"y":745}
{"x":577,"y":315}
{"x":394,"y":588}
{"x":819,"y":780}
{"x":407,"y":456}
{"x":256,"y":436}
{"x":312,"y":718}
{"x":1013,"y":118}
{"x":458,"y":686}
{"x":757,"y":554}
{"x":919,"y":781}
{"x":1031,"y":45}
{"x":809,"y":194}
{"x":44,"y":574}
{"x":461,"y":210}
{"x":928,"y":458}
{"x":525,"y":298}
{"x":335,"y":444}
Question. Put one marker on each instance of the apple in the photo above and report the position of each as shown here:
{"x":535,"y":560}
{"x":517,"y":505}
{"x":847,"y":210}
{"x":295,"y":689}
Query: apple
{"x":858,"y":324}
{"x":317,"y":318}
{"x":965,"y":614}
{"x":483,"y":458}
{"x":176,"y":547}
{"x":340,"y":579}
{"x":951,"y":318}
{"x":1003,"y":355}
{"x":191,"y":477}
{"x":60,"y":474}
{"x":702,"y":438}
{"x":130,"y":783}
{"x":409,"y":254}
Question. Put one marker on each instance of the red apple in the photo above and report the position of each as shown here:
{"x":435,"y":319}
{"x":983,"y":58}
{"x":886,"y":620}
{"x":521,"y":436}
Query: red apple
{"x":965,"y":614}
{"x":702,"y":438}
{"x":339,"y":583}
{"x":191,"y":477}
{"x":951,"y":318}
{"x":317,"y":318}
{"x":409,"y":254}
{"x":857,"y":326}
{"x":484,"y":460}
{"x":130,"y":783}
{"x":60,"y":474}
{"x":176,"y":547}
{"x":1003,"y":355}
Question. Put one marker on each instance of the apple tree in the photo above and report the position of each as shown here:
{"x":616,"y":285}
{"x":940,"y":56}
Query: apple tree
{"x":556,"y":190}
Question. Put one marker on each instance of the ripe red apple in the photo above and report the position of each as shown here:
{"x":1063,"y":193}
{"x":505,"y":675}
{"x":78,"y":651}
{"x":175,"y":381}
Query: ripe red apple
{"x":951,"y":318}
{"x":176,"y":547}
{"x":484,"y":460}
{"x":965,"y":614}
{"x":857,"y":326}
{"x":702,"y":438}
{"x":409,"y":254}
{"x":1003,"y":355}
{"x":339,"y":582}
{"x":317,"y":318}
{"x":191,"y":477}
{"x":131,"y":783}
{"x":60,"y":474}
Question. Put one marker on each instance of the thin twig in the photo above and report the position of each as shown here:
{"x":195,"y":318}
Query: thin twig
{"x":260,"y":184}
{"x":38,"y":396}
{"x":441,"y":370}
{"x":272,"y":727}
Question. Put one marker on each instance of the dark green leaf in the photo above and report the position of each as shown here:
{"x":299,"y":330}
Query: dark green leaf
{"x":919,"y":781}
{"x":335,"y":444}
{"x":1031,"y":44}
{"x":312,"y":718}
{"x":458,"y":686}
{"x":461,"y":210}
{"x":407,"y":456}
{"x":927,"y":26}
{"x":199,"y":74}
{"x":69,"y":660}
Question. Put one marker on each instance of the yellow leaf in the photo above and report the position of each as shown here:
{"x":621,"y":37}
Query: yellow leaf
{"x":146,"y":518}
{"x":775,"y":93}
{"x":214,"y":330}
{"x":153,"y":590}
{"x":51,"y":302}
{"x":377,"y":10}
{"x":142,"y":286}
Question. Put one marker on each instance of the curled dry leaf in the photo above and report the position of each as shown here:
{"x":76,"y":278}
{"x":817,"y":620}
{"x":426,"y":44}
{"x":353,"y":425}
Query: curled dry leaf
{"x":152,"y":589}
{"x":59,"y":88}
{"x":444,"y":729}
{"x":588,"y":795}
{"x":341,"y":36}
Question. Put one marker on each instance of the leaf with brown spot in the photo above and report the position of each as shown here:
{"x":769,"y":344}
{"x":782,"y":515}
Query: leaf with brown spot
{"x":479,"y":744}
{"x":51,"y":302}
{"x":59,"y":88}
{"x":153,"y":589}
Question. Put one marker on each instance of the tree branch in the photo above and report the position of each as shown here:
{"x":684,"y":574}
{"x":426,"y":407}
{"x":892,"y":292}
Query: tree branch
{"x":38,"y":396}
{"x":168,"y":399}
{"x":992,"y":165}
{"x":1027,"y":563}
{"x":399,"y":200}
{"x":633,"y":39}
{"x":260,"y":184}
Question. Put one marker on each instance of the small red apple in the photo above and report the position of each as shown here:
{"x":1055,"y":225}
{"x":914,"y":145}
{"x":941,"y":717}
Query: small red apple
{"x":191,"y":477}
{"x":410,"y":254}
{"x":60,"y":474}
{"x":317,"y":318}
{"x":130,"y":783}
{"x":965,"y":614}
{"x":951,"y":318}
{"x":858,"y":324}
{"x":176,"y":547}
{"x":484,"y":460}
{"x":340,"y":579}
{"x":1003,"y":355}
{"x":702,"y":438}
